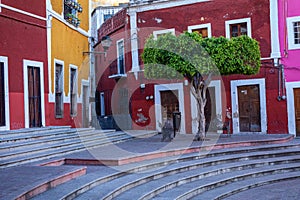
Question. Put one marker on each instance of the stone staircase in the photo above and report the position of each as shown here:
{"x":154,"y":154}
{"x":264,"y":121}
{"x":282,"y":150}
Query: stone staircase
{"x":207,"y":175}
{"x":30,"y":145}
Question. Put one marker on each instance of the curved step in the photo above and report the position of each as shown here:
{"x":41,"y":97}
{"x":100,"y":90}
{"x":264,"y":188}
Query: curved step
{"x":213,"y":162}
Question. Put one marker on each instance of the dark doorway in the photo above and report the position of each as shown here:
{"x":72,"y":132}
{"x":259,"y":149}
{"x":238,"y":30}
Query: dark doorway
{"x":169,"y":103}
{"x":210,"y":107}
{"x":34,"y":97}
{"x":297,"y":110}
{"x":249,"y":108}
{"x":2,"y":96}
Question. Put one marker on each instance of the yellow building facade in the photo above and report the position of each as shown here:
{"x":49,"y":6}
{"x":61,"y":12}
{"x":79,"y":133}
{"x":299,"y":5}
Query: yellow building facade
{"x":68,"y":65}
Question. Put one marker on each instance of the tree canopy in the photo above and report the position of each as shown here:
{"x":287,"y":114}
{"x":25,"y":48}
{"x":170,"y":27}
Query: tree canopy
{"x":190,"y":53}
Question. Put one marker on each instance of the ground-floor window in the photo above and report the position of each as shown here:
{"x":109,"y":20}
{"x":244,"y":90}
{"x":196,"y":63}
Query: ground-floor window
{"x":73,"y":92}
{"x":59,"y":102}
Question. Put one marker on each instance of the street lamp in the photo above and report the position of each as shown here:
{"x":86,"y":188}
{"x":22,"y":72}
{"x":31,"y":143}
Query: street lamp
{"x":105,"y":43}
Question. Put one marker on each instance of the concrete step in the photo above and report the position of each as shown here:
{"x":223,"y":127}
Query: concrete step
{"x":57,"y":145}
{"x":212,"y":188}
{"x":114,"y":185}
{"x":187,"y":174}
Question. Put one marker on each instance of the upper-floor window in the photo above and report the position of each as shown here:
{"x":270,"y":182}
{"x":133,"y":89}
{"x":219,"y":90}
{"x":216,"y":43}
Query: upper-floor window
{"x":293,"y":29}
{"x":238,"y":27}
{"x":121,"y":57}
{"x":162,"y":32}
{"x":71,"y":10}
{"x":203,"y":29}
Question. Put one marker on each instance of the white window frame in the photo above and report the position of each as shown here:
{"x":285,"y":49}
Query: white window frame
{"x":75,"y":88}
{"x":60,"y":62}
{"x":238,"y":21}
{"x":290,"y":31}
{"x":102,"y":104}
{"x":160,"y":32}
{"x":201,"y":26}
{"x":40,"y":65}
{"x":4,"y":60}
{"x":121,"y":41}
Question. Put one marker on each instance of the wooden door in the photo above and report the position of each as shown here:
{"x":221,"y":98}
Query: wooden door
{"x":169,"y":103}
{"x":297,"y":110}
{"x":85,"y":107}
{"x":249,"y":108}
{"x":2,"y":96}
{"x":34,"y":97}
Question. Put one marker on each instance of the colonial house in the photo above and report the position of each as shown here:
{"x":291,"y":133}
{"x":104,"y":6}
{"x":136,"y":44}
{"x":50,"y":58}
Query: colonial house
{"x":69,"y":62}
{"x":23,"y":64}
{"x":124,"y":94}
{"x":289,"y":33}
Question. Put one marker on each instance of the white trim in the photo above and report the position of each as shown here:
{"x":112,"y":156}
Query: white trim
{"x":290,"y":30}
{"x":22,"y":12}
{"x":134,"y":43}
{"x":165,"y":87}
{"x":275,"y":46}
{"x":290,"y":86}
{"x":217,"y":85}
{"x":51,"y":96}
{"x":4,"y":60}
{"x":235,"y":102}
{"x":163,"y":4}
{"x":40,"y":65}
{"x":200,"y":26}
{"x":238,"y":21}
{"x":164,"y":31}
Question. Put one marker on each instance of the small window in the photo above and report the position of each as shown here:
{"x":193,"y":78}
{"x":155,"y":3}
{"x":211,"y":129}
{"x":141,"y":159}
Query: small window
{"x":73,"y":92}
{"x":121,"y":57}
{"x":293,"y":29}
{"x":235,"y":28}
{"x":238,"y":29}
{"x":59,"y":101}
{"x":297,"y":32}
{"x":102,"y":104}
{"x":203,"y":29}
{"x":162,"y":32}
{"x":71,"y":10}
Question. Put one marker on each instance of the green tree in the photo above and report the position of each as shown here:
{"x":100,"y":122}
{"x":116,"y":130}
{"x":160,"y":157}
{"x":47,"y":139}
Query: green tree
{"x":199,"y":60}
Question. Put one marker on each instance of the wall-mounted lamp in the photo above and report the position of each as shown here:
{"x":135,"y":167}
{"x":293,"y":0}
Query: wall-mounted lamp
{"x":142,"y":86}
{"x":105,"y":43}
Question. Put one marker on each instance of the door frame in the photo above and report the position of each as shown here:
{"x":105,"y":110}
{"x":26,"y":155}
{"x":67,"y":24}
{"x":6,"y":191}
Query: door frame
{"x":157,"y":100}
{"x":235,"y":104}
{"x":217,"y":85}
{"x":40,"y":65}
{"x":290,"y":86}
{"x":4,"y":60}
{"x":85,"y":83}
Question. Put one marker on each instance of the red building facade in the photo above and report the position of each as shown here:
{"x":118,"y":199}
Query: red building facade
{"x":23,"y":62}
{"x":252,"y":100}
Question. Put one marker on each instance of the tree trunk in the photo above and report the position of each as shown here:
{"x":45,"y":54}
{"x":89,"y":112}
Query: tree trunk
{"x":201,"y":120}
{"x":198,"y":88}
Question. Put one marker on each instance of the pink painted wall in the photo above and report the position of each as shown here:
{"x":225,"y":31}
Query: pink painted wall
{"x":288,"y":8}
